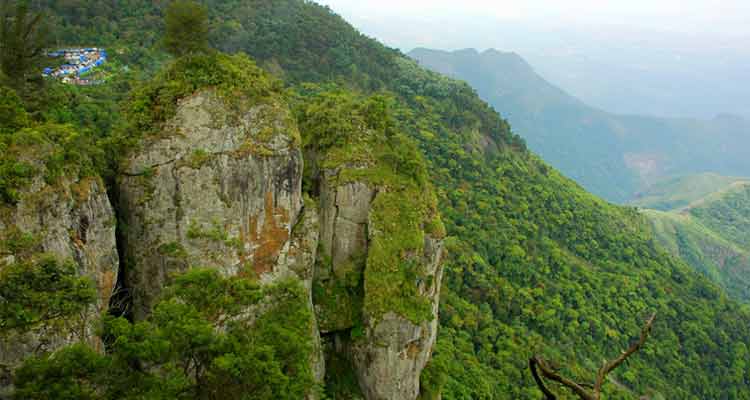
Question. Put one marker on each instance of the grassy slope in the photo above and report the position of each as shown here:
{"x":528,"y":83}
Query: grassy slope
{"x":727,"y":213}
{"x":722,"y":261}
{"x":536,"y":264}
{"x":680,"y":192}
{"x":711,"y":232}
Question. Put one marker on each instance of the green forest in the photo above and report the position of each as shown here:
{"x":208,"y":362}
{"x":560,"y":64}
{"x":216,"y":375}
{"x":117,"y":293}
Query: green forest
{"x":535,"y":264}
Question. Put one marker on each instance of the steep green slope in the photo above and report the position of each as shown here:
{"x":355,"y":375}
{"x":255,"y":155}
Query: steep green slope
{"x":614,"y":156}
{"x":711,"y":233}
{"x":722,"y":261}
{"x":536,"y":264}
{"x":679,"y":192}
{"x":727,"y":213}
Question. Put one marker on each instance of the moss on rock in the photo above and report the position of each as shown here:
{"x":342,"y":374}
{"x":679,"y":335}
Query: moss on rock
{"x":236,"y":79}
{"x":354,"y":139}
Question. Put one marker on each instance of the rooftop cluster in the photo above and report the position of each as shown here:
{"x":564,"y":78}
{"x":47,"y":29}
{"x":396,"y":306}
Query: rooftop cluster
{"x":78,"y":62}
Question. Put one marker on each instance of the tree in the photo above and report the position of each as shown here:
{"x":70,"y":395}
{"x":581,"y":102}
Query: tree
{"x":23,"y":38}
{"x":187,"y":28}
{"x":201,"y":342}
{"x":12,"y":114}
{"x":41,"y":291}
{"x":583,"y":390}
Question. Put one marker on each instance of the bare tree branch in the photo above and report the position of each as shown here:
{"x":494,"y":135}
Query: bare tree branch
{"x":611,"y":365}
{"x":550,"y":374}
{"x":580,"y":388}
{"x":548,"y":395}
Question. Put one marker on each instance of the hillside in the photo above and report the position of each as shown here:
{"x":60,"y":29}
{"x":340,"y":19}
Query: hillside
{"x":721,"y":260}
{"x":535,"y":264}
{"x":613,"y":156}
{"x":676,"y":193}
{"x":704,"y":220}
{"x":727,"y":213}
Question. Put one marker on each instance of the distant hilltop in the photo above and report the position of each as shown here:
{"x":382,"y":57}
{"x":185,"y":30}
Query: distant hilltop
{"x":78,"y":63}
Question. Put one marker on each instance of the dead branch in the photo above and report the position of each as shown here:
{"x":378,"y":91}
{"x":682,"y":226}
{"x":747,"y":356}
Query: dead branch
{"x":548,"y":395}
{"x":580,"y":388}
{"x":550,"y":374}
{"x":610,"y":366}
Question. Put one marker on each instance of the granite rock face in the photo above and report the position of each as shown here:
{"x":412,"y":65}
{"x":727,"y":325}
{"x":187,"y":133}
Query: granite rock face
{"x":71,"y":220}
{"x":388,"y":352}
{"x":390,"y":358}
{"x":344,"y":211}
{"x":220,"y":188}
{"x":298,"y":260}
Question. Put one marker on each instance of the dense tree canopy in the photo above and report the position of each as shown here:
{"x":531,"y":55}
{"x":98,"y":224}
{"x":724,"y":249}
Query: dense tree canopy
{"x":40,"y":291}
{"x":196,"y":345}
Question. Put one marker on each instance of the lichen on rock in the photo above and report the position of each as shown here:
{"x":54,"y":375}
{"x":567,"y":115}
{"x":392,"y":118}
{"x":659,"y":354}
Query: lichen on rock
{"x":225,"y":207}
{"x":60,"y":215}
{"x":217,"y":183}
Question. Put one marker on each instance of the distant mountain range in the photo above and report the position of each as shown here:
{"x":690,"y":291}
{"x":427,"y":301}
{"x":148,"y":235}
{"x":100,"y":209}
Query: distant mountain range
{"x":614,"y":156}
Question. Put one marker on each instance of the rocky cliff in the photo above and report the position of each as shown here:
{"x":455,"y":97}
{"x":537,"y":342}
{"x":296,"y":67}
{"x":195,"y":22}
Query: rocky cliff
{"x":60,"y":216}
{"x":221,"y":188}
{"x":378,"y":274}
{"x":211,"y":193}
{"x":212,"y":177}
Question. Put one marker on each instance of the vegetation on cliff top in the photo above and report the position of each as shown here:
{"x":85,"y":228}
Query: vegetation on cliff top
{"x":55,"y":151}
{"x":236,"y":78}
{"x":352,"y":138}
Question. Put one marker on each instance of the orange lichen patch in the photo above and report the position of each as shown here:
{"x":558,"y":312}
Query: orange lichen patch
{"x":413,"y":350}
{"x":267,"y":241}
{"x":82,"y":189}
{"x":106,"y":285}
{"x":78,"y":242}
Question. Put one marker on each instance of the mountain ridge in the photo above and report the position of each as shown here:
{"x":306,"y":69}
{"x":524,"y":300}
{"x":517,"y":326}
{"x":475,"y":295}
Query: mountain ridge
{"x":614,"y":156}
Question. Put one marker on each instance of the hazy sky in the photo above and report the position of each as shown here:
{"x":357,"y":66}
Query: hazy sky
{"x":659,"y":57}
{"x":726,"y":17}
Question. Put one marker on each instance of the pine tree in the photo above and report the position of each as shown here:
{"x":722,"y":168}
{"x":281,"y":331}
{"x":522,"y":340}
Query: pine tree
{"x":23,"y":38}
{"x":187,"y":28}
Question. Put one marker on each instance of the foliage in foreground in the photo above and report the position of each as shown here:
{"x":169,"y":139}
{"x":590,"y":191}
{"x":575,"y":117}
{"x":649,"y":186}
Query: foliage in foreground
{"x":41,"y":291}
{"x":199,"y":343}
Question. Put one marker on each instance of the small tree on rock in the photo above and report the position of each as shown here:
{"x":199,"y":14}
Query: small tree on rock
{"x":186,"y":28}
